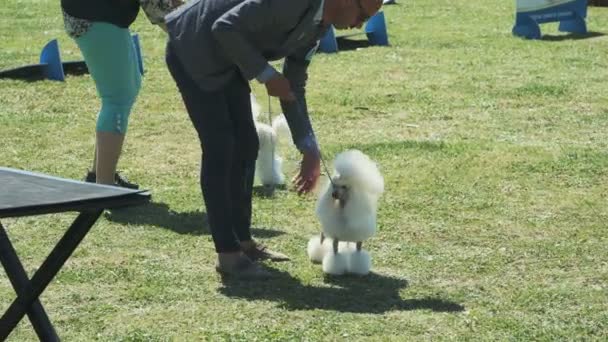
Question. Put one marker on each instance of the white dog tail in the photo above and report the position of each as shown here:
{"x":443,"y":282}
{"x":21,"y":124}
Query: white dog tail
{"x":280,"y":126}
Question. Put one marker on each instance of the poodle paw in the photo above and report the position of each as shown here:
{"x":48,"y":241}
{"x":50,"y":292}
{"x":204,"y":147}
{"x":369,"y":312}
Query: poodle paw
{"x":278,"y":179}
{"x":335,"y":264}
{"x":317,"y":250}
{"x":359,"y":263}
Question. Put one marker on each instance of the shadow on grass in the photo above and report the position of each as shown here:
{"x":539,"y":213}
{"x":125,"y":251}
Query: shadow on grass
{"x":37,"y":72}
{"x":345,"y":44}
{"x":374,"y":293}
{"x":267,"y":190}
{"x":571,"y":36}
{"x":160,"y":215}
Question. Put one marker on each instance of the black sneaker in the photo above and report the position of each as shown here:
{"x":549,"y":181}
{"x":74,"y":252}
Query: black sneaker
{"x":244,"y":269}
{"x":122,"y":181}
{"x":90,"y":177}
{"x":260,"y":252}
{"x":119,"y":180}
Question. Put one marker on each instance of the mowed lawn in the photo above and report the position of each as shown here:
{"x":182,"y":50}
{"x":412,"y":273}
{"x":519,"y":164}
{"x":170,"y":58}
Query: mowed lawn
{"x":493,"y":225}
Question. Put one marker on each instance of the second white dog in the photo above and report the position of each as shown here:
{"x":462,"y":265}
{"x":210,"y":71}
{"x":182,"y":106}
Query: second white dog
{"x":269,"y":165}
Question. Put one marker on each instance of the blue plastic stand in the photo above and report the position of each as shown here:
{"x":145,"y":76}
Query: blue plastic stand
{"x":51,"y":61}
{"x":375,"y":30}
{"x":52,"y":68}
{"x":575,"y":25}
{"x":570,"y":14}
{"x":328,"y":43}
{"x":140,"y":60}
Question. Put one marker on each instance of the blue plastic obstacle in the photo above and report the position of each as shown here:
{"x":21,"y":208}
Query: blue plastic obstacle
{"x":52,"y":68}
{"x":140,"y":59}
{"x":375,"y":29}
{"x":51,"y":60}
{"x":570,"y":14}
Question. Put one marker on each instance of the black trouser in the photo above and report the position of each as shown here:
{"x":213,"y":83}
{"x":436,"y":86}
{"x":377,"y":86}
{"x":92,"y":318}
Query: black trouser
{"x":229,"y":142}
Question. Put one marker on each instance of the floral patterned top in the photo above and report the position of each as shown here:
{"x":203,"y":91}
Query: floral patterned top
{"x":155,"y":11}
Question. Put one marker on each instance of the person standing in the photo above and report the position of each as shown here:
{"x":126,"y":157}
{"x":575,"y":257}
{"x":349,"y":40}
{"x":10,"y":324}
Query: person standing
{"x":215,"y":48}
{"x":101,"y":31}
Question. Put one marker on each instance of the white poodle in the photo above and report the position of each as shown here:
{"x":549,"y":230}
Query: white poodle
{"x":347,"y":211}
{"x":268,"y":167}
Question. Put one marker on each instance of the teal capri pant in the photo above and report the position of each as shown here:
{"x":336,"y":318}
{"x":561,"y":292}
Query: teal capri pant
{"x":111,"y":58}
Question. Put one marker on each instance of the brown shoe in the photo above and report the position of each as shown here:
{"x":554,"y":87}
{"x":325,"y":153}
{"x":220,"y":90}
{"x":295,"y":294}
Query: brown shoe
{"x":261,"y":252}
{"x":243,"y":268}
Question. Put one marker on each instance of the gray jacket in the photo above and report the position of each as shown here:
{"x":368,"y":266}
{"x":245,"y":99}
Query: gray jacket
{"x":217,"y":39}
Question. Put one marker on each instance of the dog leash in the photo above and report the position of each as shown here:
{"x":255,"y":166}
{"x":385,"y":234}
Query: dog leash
{"x":272,"y":142}
{"x":323,"y":163}
{"x":325,"y":166}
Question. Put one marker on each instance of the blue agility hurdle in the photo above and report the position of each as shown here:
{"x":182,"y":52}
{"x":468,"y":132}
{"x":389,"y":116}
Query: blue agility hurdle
{"x":375,"y":30}
{"x":51,"y":67}
{"x":570,"y":14}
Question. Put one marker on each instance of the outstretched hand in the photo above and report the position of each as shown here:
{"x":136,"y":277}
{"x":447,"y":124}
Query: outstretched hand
{"x":278,"y":86}
{"x":310,"y":170}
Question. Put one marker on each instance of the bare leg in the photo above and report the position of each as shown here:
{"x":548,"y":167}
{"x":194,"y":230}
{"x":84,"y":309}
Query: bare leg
{"x":109,"y":146}
{"x":94,"y":168}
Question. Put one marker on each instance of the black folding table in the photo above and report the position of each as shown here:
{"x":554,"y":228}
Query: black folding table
{"x":24,"y":193}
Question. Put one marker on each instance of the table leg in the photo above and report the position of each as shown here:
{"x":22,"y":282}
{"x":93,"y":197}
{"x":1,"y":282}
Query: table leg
{"x":47,"y":271}
{"x":18,"y":277}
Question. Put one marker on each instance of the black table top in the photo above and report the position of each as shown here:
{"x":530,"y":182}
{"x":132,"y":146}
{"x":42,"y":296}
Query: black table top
{"x":24,"y":193}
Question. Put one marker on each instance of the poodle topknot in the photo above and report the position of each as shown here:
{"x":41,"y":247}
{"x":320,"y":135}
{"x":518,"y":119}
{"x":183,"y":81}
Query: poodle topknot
{"x":357,"y":170}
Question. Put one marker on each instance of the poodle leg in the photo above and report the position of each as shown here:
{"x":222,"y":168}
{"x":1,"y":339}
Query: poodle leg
{"x":318,"y":247}
{"x":360,"y":261}
{"x":335,"y":263}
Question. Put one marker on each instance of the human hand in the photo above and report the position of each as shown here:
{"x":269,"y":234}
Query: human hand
{"x":278,"y":86}
{"x":310,"y":170}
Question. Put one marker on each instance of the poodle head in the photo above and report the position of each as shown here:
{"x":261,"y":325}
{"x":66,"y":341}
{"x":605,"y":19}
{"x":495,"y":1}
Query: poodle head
{"x":355,"y":170}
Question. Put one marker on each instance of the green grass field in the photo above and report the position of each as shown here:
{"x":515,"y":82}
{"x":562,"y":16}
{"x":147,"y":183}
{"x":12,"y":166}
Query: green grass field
{"x":492,"y":226}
